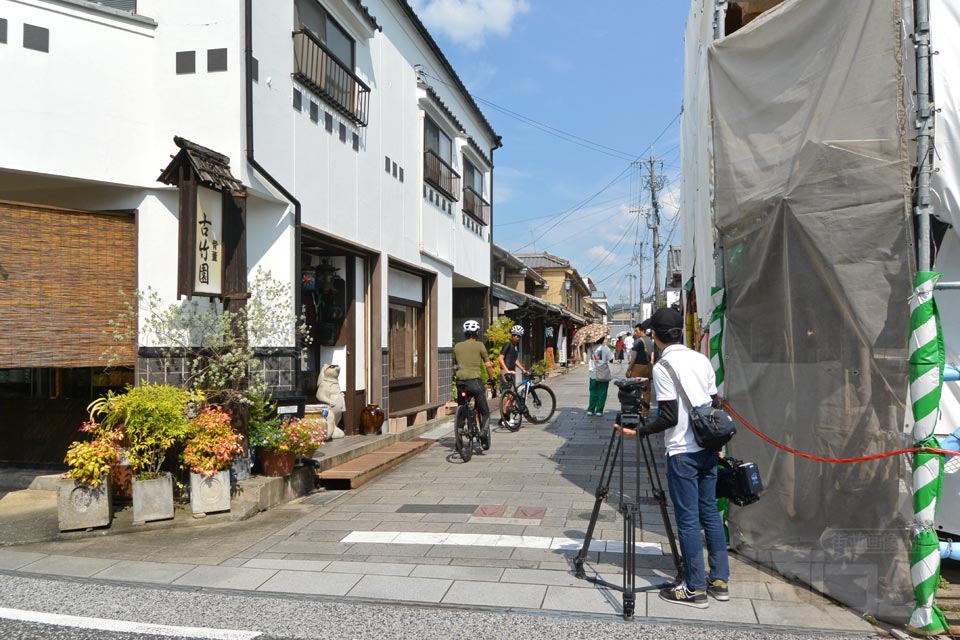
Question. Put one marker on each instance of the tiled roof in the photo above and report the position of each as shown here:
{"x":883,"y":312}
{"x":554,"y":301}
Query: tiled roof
{"x":543,"y":260}
{"x":422,"y":29}
{"x":366,"y":15}
{"x":212,"y":168}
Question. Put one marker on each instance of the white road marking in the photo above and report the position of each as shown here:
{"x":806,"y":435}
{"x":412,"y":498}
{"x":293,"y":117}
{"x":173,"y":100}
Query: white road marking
{"x":494,"y":540}
{"x":123,"y":626}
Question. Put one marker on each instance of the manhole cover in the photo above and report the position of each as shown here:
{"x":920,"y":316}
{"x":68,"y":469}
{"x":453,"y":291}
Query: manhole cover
{"x":437,"y":508}
{"x":323,"y":498}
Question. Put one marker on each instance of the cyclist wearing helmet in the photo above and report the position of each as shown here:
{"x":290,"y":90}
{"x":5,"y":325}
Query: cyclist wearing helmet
{"x":470,"y":356}
{"x":509,"y":360}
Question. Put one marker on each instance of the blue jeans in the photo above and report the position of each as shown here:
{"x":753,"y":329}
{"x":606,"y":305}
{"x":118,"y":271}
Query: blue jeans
{"x":692,"y":480}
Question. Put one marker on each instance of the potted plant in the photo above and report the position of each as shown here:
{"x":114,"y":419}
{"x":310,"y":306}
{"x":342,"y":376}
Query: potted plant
{"x":208,"y":454}
{"x":279,"y":442}
{"x":153,"y":418}
{"x":83,"y":493}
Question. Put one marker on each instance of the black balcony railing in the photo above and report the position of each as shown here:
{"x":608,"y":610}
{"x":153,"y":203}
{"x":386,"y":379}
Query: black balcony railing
{"x":320,"y":71}
{"x":475,"y":206}
{"x":441,"y":175}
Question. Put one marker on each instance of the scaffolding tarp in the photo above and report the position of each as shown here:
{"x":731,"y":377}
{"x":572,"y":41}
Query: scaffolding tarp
{"x":812,"y":200}
{"x":695,"y":154}
{"x":945,"y":40}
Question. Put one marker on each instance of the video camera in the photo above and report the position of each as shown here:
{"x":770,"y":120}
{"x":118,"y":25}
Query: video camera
{"x":630,"y":394}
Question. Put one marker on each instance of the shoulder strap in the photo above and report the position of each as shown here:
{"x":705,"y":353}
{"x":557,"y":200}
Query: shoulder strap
{"x":676,"y":382}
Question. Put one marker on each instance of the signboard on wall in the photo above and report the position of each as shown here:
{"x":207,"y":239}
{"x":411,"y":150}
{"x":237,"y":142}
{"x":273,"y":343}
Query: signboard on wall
{"x":208,"y":249}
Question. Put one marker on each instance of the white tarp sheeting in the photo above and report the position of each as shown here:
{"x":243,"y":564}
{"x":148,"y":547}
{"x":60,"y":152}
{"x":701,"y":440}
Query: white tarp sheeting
{"x":695,"y":149}
{"x":812,"y":179}
{"x":945,"y":40}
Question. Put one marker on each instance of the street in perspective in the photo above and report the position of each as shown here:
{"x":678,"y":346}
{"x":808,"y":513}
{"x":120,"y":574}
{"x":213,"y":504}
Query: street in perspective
{"x":499,"y":318}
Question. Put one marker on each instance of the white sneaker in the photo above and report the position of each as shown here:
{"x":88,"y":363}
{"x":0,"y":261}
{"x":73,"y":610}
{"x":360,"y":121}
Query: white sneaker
{"x":590,"y":413}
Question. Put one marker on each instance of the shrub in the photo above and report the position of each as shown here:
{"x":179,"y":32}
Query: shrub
{"x":497,"y":336}
{"x":90,"y":460}
{"x":152,"y":418}
{"x":213,"y":443}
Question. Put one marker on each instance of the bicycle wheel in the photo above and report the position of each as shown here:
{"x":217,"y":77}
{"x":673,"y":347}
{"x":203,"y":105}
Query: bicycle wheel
{"x":469,"y":433}
{"x":511,"y":417}
{"x":541,"y":403}
{"x":459,"y":426}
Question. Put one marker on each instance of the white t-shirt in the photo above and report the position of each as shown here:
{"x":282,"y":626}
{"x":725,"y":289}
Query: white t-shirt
{"x":697,"y":378}
{"x":598,"y":356}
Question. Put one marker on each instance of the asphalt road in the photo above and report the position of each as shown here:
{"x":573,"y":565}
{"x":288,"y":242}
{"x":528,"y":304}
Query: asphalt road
{"x":271,"y":617}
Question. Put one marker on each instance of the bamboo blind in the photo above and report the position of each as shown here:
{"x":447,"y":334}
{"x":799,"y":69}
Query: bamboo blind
{"x":61,"y":273}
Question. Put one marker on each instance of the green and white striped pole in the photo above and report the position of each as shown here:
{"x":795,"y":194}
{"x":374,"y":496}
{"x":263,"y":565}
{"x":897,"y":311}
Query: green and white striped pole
{"x":718,"y":297}
{"x":926,"y":378}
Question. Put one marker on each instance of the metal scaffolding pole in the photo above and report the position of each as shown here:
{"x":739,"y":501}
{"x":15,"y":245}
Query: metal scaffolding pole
{"x":923,"y":210}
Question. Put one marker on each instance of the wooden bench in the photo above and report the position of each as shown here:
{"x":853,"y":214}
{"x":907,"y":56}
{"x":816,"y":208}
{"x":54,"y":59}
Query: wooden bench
{"x":413,"y":414}
{"x":358,"y":471}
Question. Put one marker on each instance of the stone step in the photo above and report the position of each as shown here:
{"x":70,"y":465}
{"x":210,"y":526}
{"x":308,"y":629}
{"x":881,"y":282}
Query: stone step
{"x":359,"y":471}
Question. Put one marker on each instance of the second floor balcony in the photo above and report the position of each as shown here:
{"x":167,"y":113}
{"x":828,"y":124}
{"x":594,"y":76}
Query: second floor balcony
{"x":441,"y":175}
{"x":475,"y":206}
{"x":321,"y":72}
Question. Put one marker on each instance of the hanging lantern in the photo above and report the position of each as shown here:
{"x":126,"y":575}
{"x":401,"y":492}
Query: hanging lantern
{"x":326,"y":273}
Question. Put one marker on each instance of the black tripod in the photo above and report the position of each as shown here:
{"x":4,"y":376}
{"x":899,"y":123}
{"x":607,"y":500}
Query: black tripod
{"x":629,"y":508}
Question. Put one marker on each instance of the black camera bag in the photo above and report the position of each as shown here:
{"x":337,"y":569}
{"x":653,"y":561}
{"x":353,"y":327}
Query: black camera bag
{"x":738,"y":481}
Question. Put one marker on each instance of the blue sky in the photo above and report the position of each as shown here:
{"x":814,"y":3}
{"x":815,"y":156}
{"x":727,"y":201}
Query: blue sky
{"x":608,"y":71}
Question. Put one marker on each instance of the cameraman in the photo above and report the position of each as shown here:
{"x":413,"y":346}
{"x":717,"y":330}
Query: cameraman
{"x":691,"y":470}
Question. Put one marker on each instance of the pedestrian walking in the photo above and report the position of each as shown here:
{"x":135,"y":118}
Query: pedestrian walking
{"x":600,"y":376}
{"x":618,"y":350}
{"x":691,"y":470}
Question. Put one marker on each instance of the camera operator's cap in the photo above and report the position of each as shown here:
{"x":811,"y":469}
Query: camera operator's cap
{"x":663,"y":320}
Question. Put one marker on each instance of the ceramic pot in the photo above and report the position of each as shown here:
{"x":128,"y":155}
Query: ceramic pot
{"x":276,"y":463}
{"x":371,"y":419}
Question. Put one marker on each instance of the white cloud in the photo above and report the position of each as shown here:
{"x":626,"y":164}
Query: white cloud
{"x":468,"y":22}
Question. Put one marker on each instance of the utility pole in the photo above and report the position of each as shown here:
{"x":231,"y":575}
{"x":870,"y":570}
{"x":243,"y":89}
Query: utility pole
{"x":654,"y":222}
{"x":631,"y":277}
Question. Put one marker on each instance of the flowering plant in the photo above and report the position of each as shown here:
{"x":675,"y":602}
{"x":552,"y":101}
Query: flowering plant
{"x":301,"y":436}
{"x":213,"y":443}
{"x":90,"y":460}
{"x":305,"y":435}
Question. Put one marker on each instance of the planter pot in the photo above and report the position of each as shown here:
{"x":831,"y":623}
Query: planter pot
{"x":209,"y":495}
{"x":153,"y":499}
{"x":121,"y":481}
{"x":240,"y":469}
{"x":80,"y":506}
{"x":275,"y":463}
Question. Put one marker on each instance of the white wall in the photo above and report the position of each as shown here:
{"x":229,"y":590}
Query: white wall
{"x":73,"y":111}
{"x":104,"y":104}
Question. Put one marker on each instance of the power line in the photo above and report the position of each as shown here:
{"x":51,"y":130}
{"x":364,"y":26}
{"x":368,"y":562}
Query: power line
{"x":550,"y":215}
{"x":613,"y":250}
{"x":560,"y":133}
{"x":576,"y":208}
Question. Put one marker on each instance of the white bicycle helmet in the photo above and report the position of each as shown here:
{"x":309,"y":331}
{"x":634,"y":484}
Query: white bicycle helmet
{"x":516,"y":330}
{"x":471,"y":326}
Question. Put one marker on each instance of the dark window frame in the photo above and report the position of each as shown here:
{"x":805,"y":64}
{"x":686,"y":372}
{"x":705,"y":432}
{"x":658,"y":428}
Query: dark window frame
{"x":328,"y":20}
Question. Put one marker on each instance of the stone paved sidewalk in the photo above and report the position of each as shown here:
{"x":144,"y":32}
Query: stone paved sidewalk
{"x":498,"y":531}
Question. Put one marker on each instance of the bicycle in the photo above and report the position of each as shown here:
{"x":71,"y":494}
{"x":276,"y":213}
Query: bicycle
{"x":514,"y":403}
{"x":467,"y":432}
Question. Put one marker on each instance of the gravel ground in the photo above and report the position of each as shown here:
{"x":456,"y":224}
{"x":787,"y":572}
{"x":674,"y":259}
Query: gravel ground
{"x":308,"y":618}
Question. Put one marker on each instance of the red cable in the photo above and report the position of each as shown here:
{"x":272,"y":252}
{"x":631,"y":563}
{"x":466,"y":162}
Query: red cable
{"x":877,"y":456}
